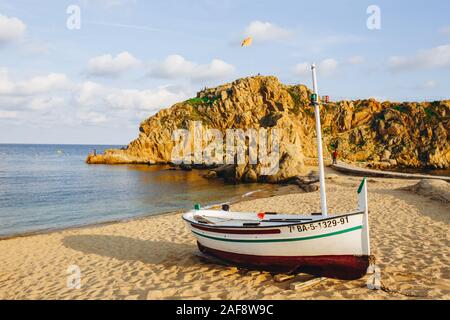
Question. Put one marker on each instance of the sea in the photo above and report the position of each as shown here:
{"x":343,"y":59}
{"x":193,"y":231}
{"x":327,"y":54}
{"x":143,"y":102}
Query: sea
{"x":50,"y":187}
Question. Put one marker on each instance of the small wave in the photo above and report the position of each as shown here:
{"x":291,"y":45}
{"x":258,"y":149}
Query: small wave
{"x":248,"y":194}
{"x":216,"y":204}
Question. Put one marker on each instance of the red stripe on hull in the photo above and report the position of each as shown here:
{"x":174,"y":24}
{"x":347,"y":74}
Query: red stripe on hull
{"x":237,"y":231}
{"x":346,"y":267}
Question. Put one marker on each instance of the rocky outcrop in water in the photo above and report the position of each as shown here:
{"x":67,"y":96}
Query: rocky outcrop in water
{"x":382,"y":135}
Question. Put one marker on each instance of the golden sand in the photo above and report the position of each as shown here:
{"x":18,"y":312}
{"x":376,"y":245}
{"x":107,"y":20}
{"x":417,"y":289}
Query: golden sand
{"x":154,"y":258}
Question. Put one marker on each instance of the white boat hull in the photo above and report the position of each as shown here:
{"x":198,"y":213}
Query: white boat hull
{"x":336,"y":246}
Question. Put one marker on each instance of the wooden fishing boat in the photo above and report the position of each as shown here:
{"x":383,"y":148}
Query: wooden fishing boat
{"x":335,"y":246}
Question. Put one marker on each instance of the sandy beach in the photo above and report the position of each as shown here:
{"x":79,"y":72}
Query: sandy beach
{"x":154,"y":258}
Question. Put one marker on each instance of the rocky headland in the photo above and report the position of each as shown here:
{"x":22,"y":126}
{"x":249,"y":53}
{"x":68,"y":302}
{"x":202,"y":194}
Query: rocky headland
{"x":376,"y":134}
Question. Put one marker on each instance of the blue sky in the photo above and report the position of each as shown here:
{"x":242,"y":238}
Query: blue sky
{"x":131,"y":58}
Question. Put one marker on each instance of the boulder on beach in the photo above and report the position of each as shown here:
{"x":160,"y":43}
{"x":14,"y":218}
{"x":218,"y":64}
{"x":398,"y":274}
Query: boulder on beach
{"x":432,"y":188}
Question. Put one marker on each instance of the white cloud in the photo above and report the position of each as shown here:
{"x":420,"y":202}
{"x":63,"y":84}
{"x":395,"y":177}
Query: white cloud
{"x":302,"y":69}
{"x":107,"y":65}
{"x":6,"y":85}
{"x":32,"y":86}
{"x":216,"y":69}
{"x":445,"y":31}
{"x":266,"y":31}
{"x":173,"y":66}
{"x":11,"y":29}
{"x":5,"y":114}
{"x":356,"y":60}
{"x":33,"y":99}
{"x":176,"y":66}
{"x":425,"y":59}
{"x":150,"y":100}
{"x":46,"y":103}
{"x":91,"y":117}
{"x":430,"y":84}
{"x":43,"y":84}
{"x":427,"y":85}
{"x":91,"y":95}
{"x":95,"y":103}
{"x":41,"y":110}
{"x":326,"y":67}
{"x":13,"y":102}
{"x":53,"y":98}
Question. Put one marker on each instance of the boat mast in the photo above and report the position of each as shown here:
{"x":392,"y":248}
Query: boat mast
{"x":315,"y":100}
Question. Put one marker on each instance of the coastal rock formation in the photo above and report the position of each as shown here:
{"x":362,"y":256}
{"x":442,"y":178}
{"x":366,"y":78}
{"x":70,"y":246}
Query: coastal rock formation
{"x":414,"y":135}
{"x":115,"y":156}
{"x":382,"y":135}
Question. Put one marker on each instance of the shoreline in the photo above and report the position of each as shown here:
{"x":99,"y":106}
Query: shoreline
{"x":155,"y":257}
{"x":243,"y":197}
{"x":82,"y":226}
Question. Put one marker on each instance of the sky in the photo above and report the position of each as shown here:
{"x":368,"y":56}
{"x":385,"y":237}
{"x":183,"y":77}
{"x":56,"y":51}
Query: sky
{"x":89,"y":71}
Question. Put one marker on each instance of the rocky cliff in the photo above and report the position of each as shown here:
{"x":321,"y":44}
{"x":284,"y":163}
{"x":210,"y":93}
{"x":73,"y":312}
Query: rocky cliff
{"x":384,"y":134}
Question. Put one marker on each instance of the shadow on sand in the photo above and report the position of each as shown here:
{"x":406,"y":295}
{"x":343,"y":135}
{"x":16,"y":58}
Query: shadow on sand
{"x":129,"y":249}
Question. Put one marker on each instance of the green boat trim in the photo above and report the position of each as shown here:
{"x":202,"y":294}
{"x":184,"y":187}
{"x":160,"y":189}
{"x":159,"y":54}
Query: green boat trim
{"x":280,"y":240}
{"x":361,"y":185}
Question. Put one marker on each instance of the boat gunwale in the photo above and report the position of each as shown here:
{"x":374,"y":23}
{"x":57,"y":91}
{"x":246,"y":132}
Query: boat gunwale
{"x":274,"y":226}
{"x":318,"y":236}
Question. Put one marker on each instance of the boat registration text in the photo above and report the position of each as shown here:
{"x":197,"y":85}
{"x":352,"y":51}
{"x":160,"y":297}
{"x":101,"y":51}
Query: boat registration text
{"x":319,"y":225}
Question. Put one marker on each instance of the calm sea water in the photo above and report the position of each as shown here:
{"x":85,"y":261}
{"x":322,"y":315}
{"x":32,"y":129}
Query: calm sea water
{"x":49,"y":187}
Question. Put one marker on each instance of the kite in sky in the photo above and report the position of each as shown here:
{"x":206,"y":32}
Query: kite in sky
{"x":247,"y":42}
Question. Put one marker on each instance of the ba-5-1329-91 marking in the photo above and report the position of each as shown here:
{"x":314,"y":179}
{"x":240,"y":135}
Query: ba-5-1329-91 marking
{"x":319,"y":225}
